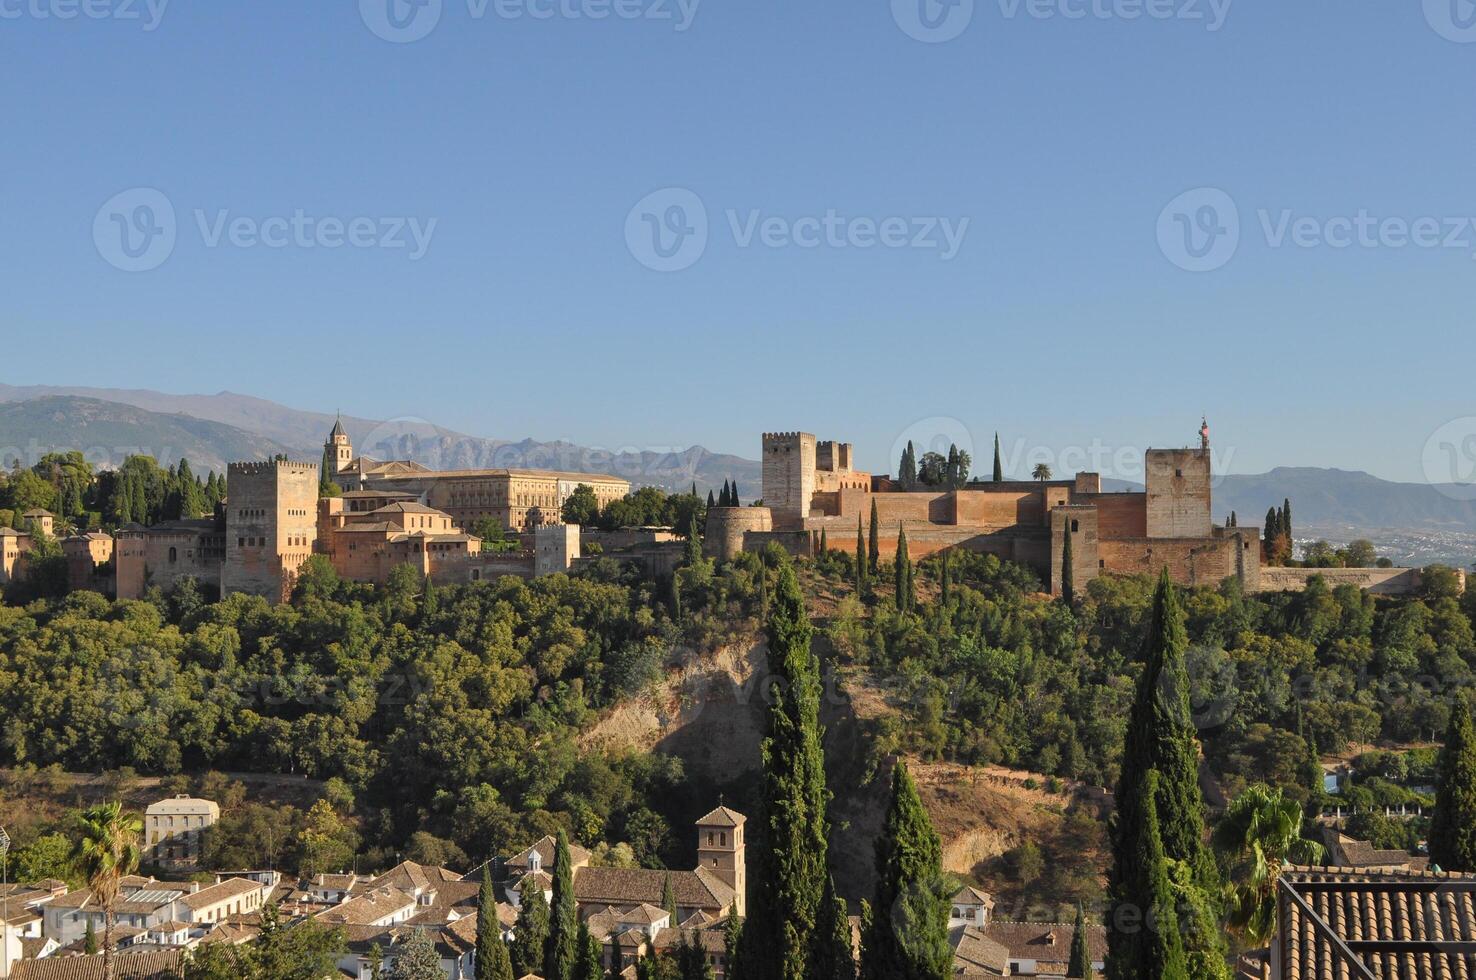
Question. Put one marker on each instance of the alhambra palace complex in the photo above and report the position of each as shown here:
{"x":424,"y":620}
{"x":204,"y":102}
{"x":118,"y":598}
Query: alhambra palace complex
{"x":395,"y":513}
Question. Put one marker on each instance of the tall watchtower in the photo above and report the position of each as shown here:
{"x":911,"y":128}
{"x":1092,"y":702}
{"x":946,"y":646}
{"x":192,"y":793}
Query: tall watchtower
{"x":271,"y":526}
{"x":721,"y":851}
{"x":789,"y":477}
{"x":1179,"y":485}
{"x":338,"y":447}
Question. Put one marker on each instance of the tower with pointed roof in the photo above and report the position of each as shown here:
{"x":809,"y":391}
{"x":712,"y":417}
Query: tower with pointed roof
{"x":338,"y":447}
{"x":721,"y":851}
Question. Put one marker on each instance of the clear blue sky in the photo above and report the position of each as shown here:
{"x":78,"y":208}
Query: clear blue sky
{"x":1060,"y":320}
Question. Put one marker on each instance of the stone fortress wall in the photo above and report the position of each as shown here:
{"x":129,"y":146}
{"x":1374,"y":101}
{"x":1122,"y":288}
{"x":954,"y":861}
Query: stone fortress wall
{"x":812,"y":488}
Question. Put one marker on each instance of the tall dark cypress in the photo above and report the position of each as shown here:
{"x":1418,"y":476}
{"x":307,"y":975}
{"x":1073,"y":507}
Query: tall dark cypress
{"x":493,"y":962}
{"x":733,"y":945}
{"x":1161,"y":758}
{"x":562,"y":952}
{"x":902,"y":573}
{"x":1453,"y":828}
{"x":1080,"y":964}
{"x":692,"y":549}
{"x":873,"y":550}
{"x":1149,"y":946}
{"x":530,"y":933}
{"x":1161,"y":736}
{"x":711,"y":501}
{"x":1068,"y":573}
{"x":951,"y":473}
{"x":908,"y":934}
{"x":947,"y":583}
{"x":735,"y":501}
{"x":591,"y":955}
{"x":861,"y":563}
{"x":1286,"y":518}
{"x":998,"y":465}
{"x":833,"y":957}
{"x":907,"y":472}
{"x":824,"y":542}
{"x":791,"y":875}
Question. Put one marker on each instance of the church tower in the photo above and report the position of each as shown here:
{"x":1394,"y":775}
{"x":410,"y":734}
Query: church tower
{"x":338,"y":448}
{"x":721,"y":851}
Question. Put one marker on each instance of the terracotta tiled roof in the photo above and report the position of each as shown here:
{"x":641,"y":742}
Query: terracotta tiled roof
{"x":969,"y":895}
{"x":1044,"y":942}
{"x":723,"y":817}
{"x":223,"y":892}
{"x":1360,"y":907}
{"x":975,"y":954}
{"x":128,"y":966}
{"x":632,"y":886}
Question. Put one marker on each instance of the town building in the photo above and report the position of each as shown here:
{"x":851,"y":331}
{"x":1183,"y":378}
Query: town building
{"x":174,"y":830}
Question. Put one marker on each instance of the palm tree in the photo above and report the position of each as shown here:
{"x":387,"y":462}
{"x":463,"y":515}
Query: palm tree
{"x":1260,"y":832}
{"x":1042,"y":472}
{"x":106,"y":851}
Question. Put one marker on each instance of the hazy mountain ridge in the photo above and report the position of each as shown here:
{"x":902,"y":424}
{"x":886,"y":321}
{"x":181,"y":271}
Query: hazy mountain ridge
{"x":253,"y":428}
{"x":108,"y":432}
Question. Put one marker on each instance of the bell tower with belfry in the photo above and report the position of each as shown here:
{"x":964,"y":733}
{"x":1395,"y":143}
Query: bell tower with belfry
{"x":338,"y":447}
{"x":721,"y":851}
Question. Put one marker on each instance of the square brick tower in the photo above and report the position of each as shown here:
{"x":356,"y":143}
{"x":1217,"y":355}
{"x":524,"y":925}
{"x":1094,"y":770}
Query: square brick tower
{"x":721,"y":851}
{"x":271,"y":526}
{"x":789,"y":477}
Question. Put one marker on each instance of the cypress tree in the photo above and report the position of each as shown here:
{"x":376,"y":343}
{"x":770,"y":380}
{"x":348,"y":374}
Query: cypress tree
{"x":792,"y":865}
{"x":1161,"y":736}
{"x":711,"y":503}
{"x":692,"y":551}
{"x":947,"y":585}
{"x":530,"y":933}
{"x":1068,"y":574}
{"x":907,"y":471}
{"x":873,"y":550}
{"x":908,"y":937}
{"x":1151,"y":948}
{"x":951,"y":473}
{"x":89,"y":941}
{"x":1161,"y":757}
{"x":735,"y":502}
{"x":1453,"y":827}
{"x":998,"y":465}
{"x":326,"y":472}
{"x":733,"y":944}
{"x":832,"y":958}
{"x":860,"y":560}
{"x":1080,"y":964}
{"x":902,"y":573}
{"x":824,"y":542}
{"x":493,"y":962}
{"x":668,"y":899}
{"x":591,"y":956}
{"x":1286,"y":517}
{"x":562,"y":951}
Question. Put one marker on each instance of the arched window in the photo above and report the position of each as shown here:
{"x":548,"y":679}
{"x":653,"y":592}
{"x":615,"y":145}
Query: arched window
{"x":173,"y":555}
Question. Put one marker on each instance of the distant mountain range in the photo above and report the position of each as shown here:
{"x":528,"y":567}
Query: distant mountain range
{"x":210,"y":430}
{"x":1328,"y":497}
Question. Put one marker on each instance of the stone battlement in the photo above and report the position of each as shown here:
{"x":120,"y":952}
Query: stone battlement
{"x":268,"y":466}
{"x":769,"y":436}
